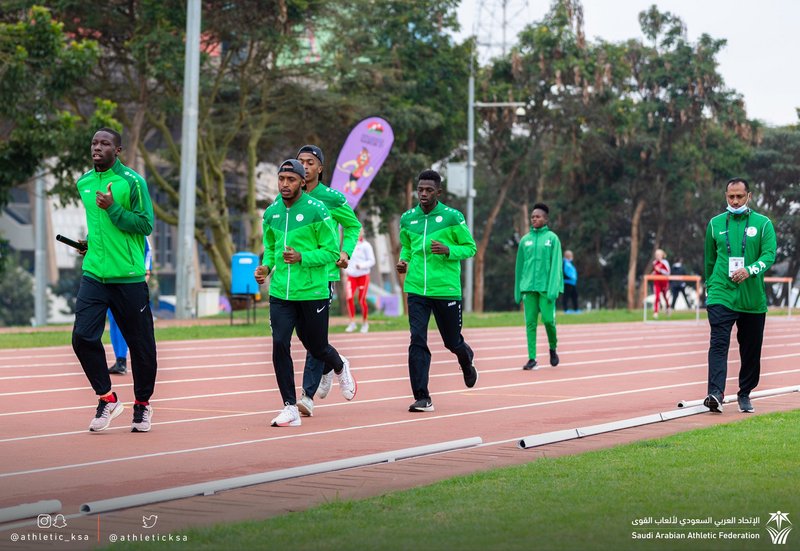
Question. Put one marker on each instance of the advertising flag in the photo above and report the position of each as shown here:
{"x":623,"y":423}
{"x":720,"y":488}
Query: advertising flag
{"x":363,"y":153}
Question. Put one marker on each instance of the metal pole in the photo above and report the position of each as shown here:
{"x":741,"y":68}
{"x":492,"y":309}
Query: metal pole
{"x":184,"y":276}
{"x":40,"y":255}
{"x":469,"y":264}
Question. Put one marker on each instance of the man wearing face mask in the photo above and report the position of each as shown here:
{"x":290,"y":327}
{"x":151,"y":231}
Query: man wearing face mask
{"x":739,"y":248}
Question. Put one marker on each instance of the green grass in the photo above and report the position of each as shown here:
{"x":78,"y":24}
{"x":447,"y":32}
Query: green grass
{"x":587,"y":501}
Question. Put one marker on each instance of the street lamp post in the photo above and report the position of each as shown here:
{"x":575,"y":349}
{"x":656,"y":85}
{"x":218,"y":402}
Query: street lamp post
{"x":469,"y":278}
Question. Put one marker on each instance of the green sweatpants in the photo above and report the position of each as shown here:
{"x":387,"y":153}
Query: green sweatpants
{"x":534,"y":303}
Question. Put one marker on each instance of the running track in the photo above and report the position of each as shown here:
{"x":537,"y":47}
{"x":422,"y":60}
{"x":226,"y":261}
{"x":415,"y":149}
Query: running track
{"x":214,"y":400}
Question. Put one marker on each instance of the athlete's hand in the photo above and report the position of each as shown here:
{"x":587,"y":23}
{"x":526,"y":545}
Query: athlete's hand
{"x":85,"y":248}
{"x":104,"y":200}
{"x":401,"y":267}
{"x":343,"y":260}
{"x":439,"y":248}
{"x":261,"y":274}
{"x":740,"y":275}
{"x":291,"y":256}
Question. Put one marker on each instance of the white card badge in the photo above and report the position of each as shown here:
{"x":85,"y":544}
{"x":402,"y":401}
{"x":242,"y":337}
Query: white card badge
{"x":735,"y":263}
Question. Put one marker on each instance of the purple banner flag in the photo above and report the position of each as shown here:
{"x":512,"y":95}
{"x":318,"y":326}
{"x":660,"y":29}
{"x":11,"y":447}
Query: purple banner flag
{"x":363,"y":153}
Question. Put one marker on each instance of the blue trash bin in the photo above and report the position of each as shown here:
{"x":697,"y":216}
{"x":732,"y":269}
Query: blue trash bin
{"x":243,"y":280}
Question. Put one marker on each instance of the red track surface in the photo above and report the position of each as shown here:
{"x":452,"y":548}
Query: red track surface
{"x":214,"y":400}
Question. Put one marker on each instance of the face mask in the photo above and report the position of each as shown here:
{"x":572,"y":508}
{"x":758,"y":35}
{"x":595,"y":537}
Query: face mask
{"x":740,"y":210}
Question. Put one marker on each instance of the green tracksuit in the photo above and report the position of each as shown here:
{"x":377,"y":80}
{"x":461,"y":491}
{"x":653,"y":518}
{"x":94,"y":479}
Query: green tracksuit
{"x":538,"y":280}
{"x":759,"y":254}
{"x":306,"y":228}
{"x":434,"y":275}
{"x":341,"y":214}
{"x":116,"y":235}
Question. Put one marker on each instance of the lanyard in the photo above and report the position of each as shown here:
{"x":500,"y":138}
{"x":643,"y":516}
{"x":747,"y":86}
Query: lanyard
{"x":744,"y":233}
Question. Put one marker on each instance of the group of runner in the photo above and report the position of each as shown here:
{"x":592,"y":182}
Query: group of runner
{"x":303,"y":258}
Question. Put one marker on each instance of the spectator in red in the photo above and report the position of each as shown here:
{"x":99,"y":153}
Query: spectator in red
{"x":660,"y":267}
{"x":358,"y":269}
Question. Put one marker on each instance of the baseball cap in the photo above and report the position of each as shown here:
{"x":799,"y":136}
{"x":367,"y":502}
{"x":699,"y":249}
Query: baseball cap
{"x":293,"y":165}
{"x":314,"y":150}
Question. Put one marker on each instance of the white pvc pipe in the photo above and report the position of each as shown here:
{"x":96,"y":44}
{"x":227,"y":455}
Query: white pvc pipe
{"x":618,"y":425}
{"x":548,"y":438}
{"x":687,"y":408}
{"x":756,"y":394}
{"x":29,"y":510}
{"x":209,"y":488}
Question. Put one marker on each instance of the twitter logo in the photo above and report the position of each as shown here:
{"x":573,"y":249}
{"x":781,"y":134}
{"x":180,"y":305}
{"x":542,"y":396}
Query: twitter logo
{"x":149,"y":522}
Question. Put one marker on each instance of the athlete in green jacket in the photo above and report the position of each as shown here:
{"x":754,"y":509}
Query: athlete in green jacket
{"x":314,"y":373}
{"x":538,"y":280}
{"x":299,"y":245}
{"x":119,"y":214}
{"x":740,"y":247}
{"x":434,"y":239}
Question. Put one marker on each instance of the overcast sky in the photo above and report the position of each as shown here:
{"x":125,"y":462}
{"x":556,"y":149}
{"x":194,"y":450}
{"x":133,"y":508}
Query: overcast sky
{"x":759,"y":61}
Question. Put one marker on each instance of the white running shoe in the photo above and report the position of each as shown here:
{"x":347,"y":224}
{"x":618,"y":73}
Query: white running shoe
{"x":288,"y":417}
{"x":305,"y":406}
{"x":351,"y":327}
{"x":347,"y":384}
{"x":325,"y":385}
{"x":106,"y":411}
{"x":365,"y":328}
{"x":142,"y":418}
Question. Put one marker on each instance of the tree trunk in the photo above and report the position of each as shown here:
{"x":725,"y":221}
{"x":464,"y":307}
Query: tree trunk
{"x":480,"y":255}
{"x":394,"y":253}
{"x":635,"y":227}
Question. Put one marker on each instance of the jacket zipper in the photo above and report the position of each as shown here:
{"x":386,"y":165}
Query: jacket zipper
{"x":425,"y":257}
{"x":285,"y":241}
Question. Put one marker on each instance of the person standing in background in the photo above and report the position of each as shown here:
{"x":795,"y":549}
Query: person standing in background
{"x":678,"y":287}
{"x":539,"y":278}
{"x":660,"y":267}
{"x":570,"y":284}
{"x":357,"y":270}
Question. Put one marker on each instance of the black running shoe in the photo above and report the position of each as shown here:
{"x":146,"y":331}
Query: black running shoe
{"x":713,"y":403}
{"x":470,"y":375}
{"x":531,"y":365}
{"x":745,"y":406}
{"x":421,"y":405}
{"x":119,"y":368}
{"x":553,"y":357}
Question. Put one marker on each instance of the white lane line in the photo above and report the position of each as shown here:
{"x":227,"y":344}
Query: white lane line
{"x":434,"y":417}
{"x":480,"y":391}
{"x":268,"y":362}
{"x":621,"y":359}
{"x":652,"y":340}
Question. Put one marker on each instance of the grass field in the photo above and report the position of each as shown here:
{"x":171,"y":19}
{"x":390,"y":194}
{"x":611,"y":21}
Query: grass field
{"x":62,"y":335}
{"x":589,"y":501}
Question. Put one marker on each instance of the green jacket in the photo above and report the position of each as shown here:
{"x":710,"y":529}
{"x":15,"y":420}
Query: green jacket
{"x":759,"y":254}
{"x":434,"y":275}
{"x":341,"y":213}
{"x":539,"y":264}
{"x":306,"y":228}
{"x":116,"y":235}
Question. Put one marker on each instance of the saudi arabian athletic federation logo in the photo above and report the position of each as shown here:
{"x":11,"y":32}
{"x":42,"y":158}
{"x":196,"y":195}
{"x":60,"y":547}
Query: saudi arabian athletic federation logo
{"x":779,"y":535}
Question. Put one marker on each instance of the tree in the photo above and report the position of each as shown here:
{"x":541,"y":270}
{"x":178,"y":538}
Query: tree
{"x":252,"y":89}
{"x":677,"y":94}
{"x":16,"y":292}
{"x":40,"y":67}
{"x":774,"y":170}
